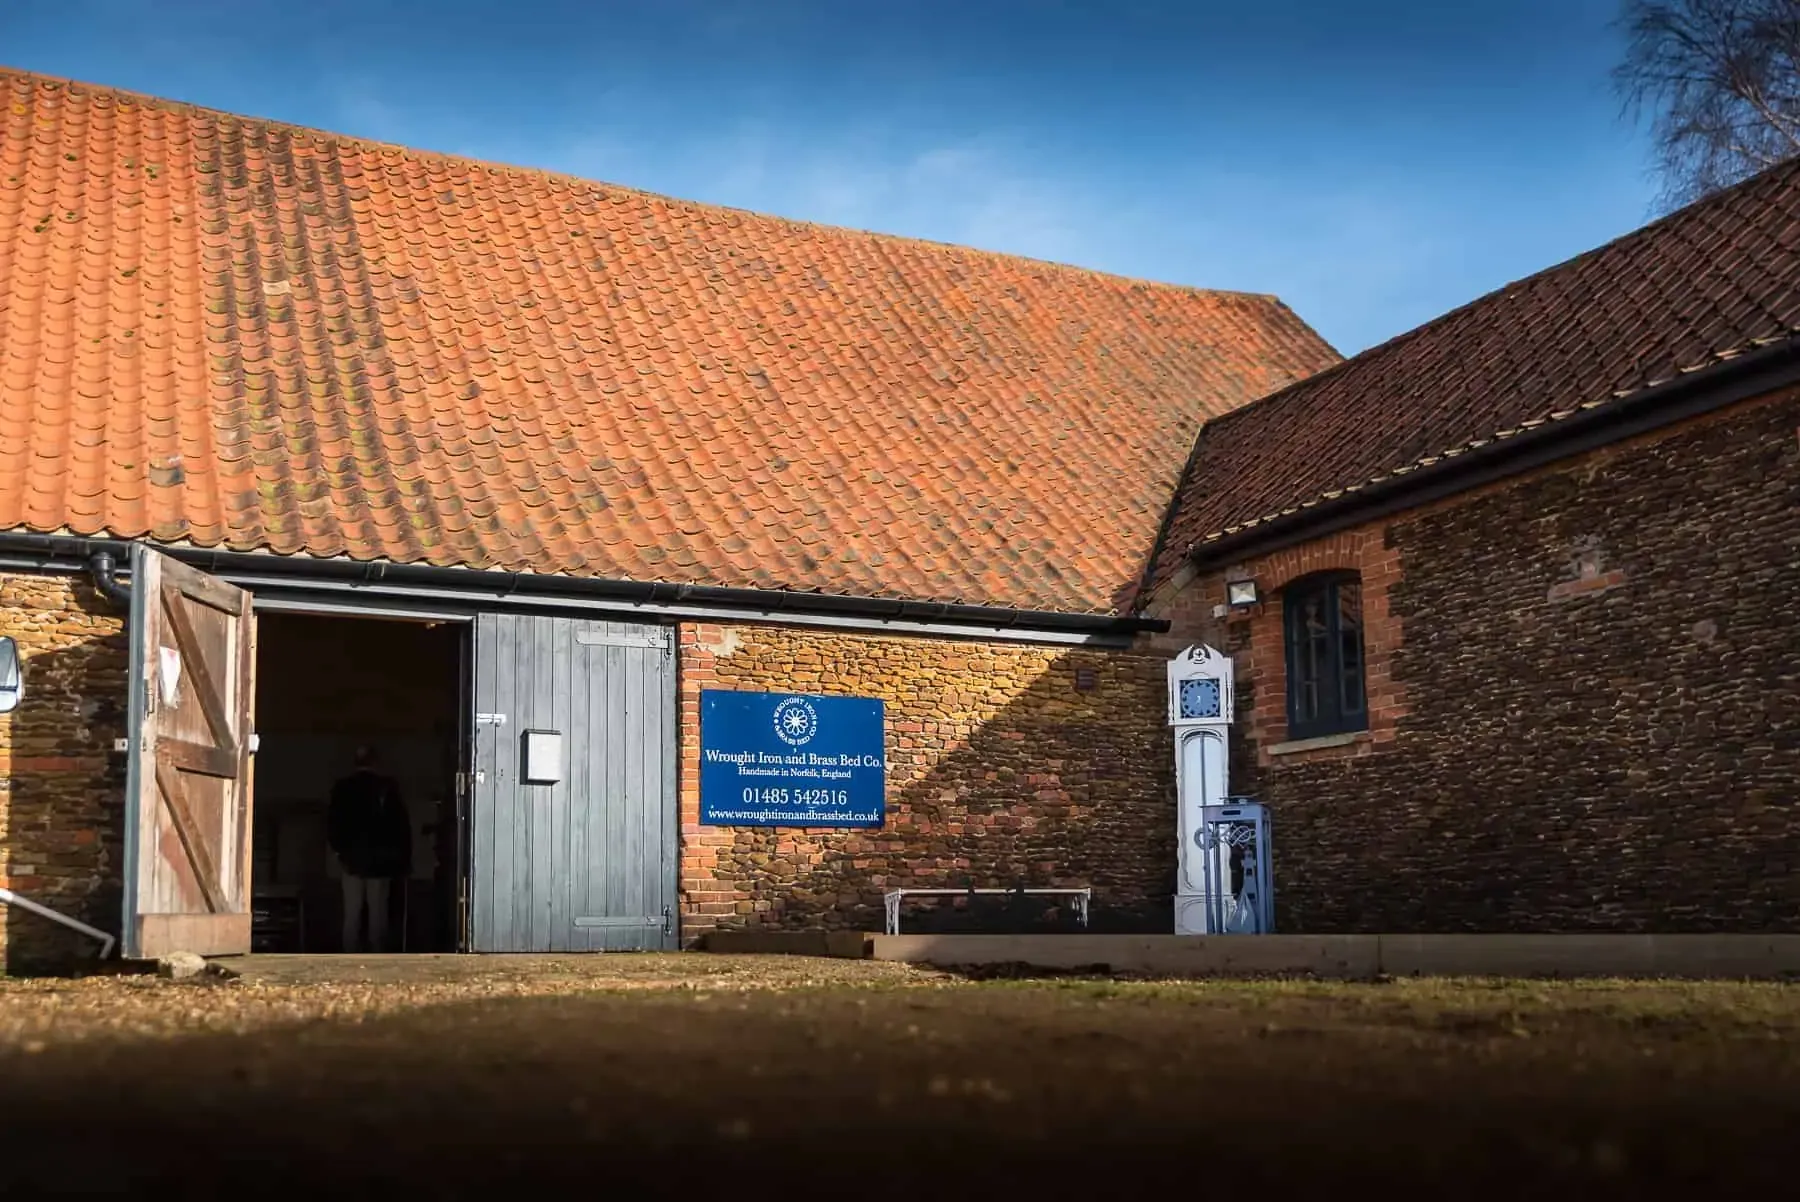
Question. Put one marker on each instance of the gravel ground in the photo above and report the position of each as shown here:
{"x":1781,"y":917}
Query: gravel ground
{"x":776,"y":1074}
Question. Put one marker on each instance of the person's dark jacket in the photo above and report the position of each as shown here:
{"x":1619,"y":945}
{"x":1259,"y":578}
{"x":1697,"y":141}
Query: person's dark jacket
{"x":367,"y":826}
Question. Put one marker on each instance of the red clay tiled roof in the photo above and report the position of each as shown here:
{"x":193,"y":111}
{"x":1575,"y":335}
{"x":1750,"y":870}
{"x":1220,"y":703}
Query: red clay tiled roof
{"x":227,"y":332}
{"x":1703,"y":285}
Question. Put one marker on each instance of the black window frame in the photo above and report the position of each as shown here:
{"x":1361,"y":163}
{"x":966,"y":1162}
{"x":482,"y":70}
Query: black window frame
{"x":1316,"y":659}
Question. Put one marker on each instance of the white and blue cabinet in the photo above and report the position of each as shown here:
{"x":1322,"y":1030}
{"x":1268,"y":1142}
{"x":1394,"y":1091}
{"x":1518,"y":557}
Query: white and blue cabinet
{"x":1223,"y":885}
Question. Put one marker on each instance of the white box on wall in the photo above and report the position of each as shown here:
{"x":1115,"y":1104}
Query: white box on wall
{"x":543,"y":757}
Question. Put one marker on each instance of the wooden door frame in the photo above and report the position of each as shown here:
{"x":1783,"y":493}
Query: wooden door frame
{"x":462,"y":801}
{"x":460,"y":787}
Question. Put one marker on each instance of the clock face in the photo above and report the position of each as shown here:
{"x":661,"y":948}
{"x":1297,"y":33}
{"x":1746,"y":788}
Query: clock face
{"x":1200,"y":698}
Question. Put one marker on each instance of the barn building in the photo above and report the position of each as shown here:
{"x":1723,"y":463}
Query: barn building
{"x":309,"y":443}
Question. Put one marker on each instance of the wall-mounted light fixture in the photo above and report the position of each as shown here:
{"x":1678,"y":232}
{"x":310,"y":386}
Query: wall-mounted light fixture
{"x":1240,"y":594}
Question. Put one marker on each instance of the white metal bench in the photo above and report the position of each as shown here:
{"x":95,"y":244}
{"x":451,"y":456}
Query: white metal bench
{"x":893,"y":898}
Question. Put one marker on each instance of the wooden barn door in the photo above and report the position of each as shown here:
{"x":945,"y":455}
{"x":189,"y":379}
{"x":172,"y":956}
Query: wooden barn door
{"x":187,"y":821}
{"x":583,"y":857}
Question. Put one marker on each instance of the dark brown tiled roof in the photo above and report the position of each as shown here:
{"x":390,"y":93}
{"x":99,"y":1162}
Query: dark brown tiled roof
{"x":1709,"y":283}
{"x":227,"y":332}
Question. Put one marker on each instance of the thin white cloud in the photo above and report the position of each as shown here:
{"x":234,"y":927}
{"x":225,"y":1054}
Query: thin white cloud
{"x":968,"y":193}
{"x":357,"y":107}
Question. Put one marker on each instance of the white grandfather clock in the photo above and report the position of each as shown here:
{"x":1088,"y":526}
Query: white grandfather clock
{"x":1223,"y":886}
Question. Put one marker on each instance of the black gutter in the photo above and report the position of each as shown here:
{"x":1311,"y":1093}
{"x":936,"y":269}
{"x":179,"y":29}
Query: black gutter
{"x":548,"y":588}
{"x":1748,"y":376}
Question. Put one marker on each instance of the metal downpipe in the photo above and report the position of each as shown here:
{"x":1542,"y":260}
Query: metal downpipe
{"x":103,"y":566}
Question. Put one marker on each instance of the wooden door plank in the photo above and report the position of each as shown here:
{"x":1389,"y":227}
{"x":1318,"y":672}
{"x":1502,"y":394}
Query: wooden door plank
{"x":200,"y":857}
{"x":146,"y":864}
{"x":203,"y":934}
{"x":668,"y":720}
{"x":246,"y":734}
{"x":210,"y":591}
{"x":198,"y":757}
{"x":206,"y":684}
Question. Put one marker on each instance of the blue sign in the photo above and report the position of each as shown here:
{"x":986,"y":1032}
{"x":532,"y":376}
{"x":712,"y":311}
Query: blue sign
{"x":784,"y":759}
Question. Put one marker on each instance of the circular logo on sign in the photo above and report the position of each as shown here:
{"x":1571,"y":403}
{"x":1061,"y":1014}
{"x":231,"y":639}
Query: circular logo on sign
{"x":796,"y":722}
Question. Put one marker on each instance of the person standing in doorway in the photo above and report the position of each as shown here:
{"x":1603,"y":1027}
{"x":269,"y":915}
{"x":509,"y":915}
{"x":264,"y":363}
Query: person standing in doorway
{"x":368,"y":830}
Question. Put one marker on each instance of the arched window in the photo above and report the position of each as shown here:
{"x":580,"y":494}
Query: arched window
{"x":1325,"y":695}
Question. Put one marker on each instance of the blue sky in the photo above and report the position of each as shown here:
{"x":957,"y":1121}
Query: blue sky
{"x":1372,"y":162}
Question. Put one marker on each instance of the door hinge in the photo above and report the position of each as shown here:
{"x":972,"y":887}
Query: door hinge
{"x":594,"y":638}
{"x":649,"y":920}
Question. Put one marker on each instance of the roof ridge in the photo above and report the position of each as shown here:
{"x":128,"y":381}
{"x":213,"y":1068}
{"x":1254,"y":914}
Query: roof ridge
{"x":167,"y":104}
{"x":1707,"y":202}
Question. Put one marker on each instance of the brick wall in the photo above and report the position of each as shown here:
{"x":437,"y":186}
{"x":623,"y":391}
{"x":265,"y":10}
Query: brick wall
{"x":1585,"y":699}
{"x":1000,"y":773}
{"x":62,"y":788}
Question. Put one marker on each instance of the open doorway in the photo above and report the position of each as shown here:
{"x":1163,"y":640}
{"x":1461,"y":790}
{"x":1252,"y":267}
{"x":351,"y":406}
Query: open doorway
{"x":325,"y":688}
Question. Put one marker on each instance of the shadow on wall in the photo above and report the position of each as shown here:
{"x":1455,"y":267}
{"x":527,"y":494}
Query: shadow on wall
{"x":1008,"y":768}
{"x":62,"y":808}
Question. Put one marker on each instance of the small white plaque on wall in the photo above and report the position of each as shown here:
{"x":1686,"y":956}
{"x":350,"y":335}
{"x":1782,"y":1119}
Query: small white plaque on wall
{"x":543,"y":757}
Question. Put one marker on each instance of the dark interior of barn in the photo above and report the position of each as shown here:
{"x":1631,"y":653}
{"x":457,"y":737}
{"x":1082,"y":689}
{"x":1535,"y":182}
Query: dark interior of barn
{"x":325,"y":688}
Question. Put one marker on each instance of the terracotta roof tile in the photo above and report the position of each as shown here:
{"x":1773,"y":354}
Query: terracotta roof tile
{"x":1702,"y":285}
{"x":231,"y":332}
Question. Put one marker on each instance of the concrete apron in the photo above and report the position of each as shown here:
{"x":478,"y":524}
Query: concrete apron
{"x":403,"y":968}
{"x":1342,"y":957}
{"x":1350,"y":957}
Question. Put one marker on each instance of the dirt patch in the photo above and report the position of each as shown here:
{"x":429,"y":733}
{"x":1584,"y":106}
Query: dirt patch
{"x":647,"y":1073}
{"x":276,"y":991}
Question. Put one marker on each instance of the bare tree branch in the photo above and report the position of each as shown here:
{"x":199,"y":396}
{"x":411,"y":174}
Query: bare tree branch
{"x":1719,"y":81}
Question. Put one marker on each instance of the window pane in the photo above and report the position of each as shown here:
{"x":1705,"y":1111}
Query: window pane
{"x":1312,"y":613}
{"x":1303,"y":670}
{"x":1306,"y":688}
{"x":1325,"y":659}
{"x":1325,"y":667}
{"x":1320,"y":654}
{"x":1351,"y":683}
{"x":1349,"y":598}
{"x":1350,"y":648}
